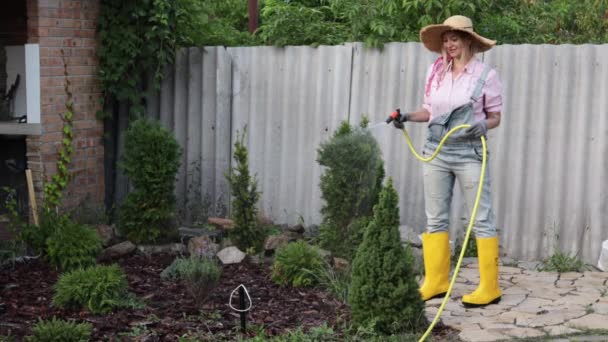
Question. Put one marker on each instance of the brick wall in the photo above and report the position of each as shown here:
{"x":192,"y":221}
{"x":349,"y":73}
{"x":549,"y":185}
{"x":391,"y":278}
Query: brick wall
{"x":67,"y":27}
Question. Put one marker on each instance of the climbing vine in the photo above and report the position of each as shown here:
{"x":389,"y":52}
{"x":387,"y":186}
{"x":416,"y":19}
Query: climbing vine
{"x":53,"y":190}
{"x":139,"y":38}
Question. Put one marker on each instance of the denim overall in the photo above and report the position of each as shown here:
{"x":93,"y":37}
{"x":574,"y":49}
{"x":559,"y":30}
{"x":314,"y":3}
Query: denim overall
{"x":459,"y":159}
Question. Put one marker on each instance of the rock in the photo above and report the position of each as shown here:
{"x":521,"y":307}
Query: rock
{"x":171,"y":248}
{"x":274,"y":242}
{"x":221,"y":223}
{"x":203,"y":247}
{"x":119,"y":250}
{"x":107,"y":234}
{"x":297,"y":229}
{"x":341,"y":264}
{"x":231,"y":255}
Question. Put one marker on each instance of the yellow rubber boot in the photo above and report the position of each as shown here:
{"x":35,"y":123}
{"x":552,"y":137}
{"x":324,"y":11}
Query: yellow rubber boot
{"x":488,"y":291}
{"x":436,"y":253}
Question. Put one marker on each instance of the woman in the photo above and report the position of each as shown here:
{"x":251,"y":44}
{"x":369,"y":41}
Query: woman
{"x":459,"y":89}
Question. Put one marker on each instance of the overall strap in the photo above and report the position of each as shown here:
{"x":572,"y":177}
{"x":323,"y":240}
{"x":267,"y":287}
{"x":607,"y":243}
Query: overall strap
{"x":480,"y":83}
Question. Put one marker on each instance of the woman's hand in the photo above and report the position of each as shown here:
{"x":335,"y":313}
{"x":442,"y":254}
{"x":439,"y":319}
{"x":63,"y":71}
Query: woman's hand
{"x":477,"y":130}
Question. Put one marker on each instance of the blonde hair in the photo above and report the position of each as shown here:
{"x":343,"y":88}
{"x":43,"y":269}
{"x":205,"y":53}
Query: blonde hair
{"x":444,"y":63}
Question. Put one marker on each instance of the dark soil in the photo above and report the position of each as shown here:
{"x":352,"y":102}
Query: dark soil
{"x":26,"y":294}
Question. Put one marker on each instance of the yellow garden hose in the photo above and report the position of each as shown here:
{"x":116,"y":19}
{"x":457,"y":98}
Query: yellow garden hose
{"x":473,"y":214}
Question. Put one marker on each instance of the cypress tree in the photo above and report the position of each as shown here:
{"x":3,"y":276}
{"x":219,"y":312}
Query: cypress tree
{"x":384,"y":292}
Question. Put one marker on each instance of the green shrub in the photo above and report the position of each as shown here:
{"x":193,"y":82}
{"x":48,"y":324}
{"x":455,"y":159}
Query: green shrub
{"x":561,"y":262}
{"x":36,"y":236}
{"x":59,"y":330}
{"x":335,"y":281}
{"x":73,"y":246}
{"x":296,"y":264}
{"x":247,"y":233}
{"x":350,"y":184}
{"x":151,"y":161}
{"x":384,"y":292}
{"x":199,"y":275}
{"x":98,"y":289}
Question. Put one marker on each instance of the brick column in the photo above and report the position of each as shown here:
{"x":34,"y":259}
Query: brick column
{"x":65,"y":30}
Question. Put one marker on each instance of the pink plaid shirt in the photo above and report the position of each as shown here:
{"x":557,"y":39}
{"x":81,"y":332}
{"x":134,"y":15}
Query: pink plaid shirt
{"x":451,"y":93}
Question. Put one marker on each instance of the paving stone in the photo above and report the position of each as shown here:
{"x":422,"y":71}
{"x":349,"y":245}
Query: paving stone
{"x":524,"y":332}
{"x":533,"y":305}
{"x":461,"y":290}
{"x":512,"y":299}
{"x":528,"y":265}
{"x":514,"y":290}
{"x":550,"y":293}
{"x":597,"y":275}
{"x":591,"y":321}
{"x":480,"y":335}
{"x":589,"y":338}
{"x":509,"y":270}
{"x":515,"y":317}
{"x":570,"y":276}
{"x":492,"y":312}
{"x":556,"y":330}
{"x":553,"y":318}
{"x":590,"y":281}
{"x":564,"y":284}
{"x":576,"y":299}
{"x":600,"y":308}
{"x":538,"y":277}
{"x":496,"y":326}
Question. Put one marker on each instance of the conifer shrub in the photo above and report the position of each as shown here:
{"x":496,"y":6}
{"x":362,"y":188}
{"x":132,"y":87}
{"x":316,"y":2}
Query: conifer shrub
{"x":59,"y":330}
{"x":247,"y":233}
{"x":296,"y":264}
{"x":99,"y":289}
{"x":200,"y":276}
{"x":350,"y":185}
{"x":384,"y":293}
{"x":151,"y":161}
{"x":73,"y":246}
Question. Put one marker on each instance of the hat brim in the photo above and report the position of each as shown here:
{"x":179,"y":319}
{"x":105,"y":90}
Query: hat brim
{"x":430,"y":36}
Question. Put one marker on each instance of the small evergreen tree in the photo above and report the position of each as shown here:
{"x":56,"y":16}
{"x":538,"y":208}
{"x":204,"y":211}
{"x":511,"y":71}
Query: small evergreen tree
{"x":350,"y":185}
{"x":384,"y":292}
{"x":151,"y":161}
{"x":246,"y":233}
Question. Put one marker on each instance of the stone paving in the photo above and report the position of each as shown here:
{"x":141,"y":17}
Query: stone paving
{"x":535,"y":305}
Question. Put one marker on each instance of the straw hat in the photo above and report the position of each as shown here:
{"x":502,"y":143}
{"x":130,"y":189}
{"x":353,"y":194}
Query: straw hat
{"x":430,"y":35}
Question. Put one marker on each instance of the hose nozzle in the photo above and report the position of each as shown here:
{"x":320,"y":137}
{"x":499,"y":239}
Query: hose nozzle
{"x":396,"y":115}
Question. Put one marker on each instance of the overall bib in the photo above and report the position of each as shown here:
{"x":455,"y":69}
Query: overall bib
{"x":459,"y":159}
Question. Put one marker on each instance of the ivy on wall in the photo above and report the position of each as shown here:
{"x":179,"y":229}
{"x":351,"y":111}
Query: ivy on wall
{"x":141,"y":37}
{"x":53,"y":190}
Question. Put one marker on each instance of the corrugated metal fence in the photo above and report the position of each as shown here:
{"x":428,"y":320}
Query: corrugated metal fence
{"x":548,"y":158}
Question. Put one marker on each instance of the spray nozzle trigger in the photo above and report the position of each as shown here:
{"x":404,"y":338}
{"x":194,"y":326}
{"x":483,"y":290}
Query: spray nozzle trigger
{"x":396,"y":115}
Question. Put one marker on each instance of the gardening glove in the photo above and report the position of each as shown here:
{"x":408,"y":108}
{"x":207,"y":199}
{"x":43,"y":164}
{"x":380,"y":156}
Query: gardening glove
{"x":477,"y":130}
{"x":399,"y":120}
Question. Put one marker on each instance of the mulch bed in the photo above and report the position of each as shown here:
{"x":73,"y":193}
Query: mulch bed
{"x":26,"y":293}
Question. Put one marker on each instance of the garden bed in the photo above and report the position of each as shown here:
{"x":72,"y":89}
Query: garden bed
{"x":26,"y":294}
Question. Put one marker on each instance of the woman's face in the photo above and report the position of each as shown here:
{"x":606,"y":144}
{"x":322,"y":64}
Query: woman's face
{"x":454,"y":44}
